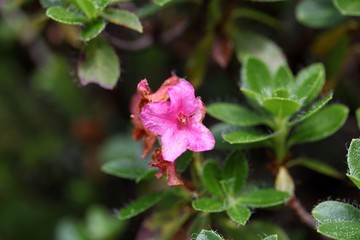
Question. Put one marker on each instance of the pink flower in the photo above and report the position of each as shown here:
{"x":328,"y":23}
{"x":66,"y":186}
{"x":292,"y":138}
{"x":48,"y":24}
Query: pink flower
{"x":178,"y":122}
{"x":141,"y":98}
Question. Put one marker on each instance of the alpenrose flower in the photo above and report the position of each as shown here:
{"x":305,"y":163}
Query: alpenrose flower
{"x":139,"y":100}
{"x":178,"y":122}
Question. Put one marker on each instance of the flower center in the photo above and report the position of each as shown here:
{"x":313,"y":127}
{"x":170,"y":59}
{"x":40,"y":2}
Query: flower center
{"x":182,"y":118}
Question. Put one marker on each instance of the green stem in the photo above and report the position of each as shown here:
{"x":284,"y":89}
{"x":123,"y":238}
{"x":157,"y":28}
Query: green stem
{"x":196,"y":169}
{"x":280,"y":146}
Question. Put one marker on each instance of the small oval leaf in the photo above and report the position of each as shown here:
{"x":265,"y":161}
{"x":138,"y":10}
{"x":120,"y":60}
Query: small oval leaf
{"x":64,"y":15}
{"x":353,"y":160}
{"x":302,"y":115}
{"x":320,"y":125}
{"x":92,"y":30}
{"x":123,"y":18}
{"x":348,"y":7}
{"x":309,"y":83}
{"x":208,"y":235}
{"x":140,"y":205}
{"x":316,"y":165}
{"x":209,"y":205}
{"x":256,"y":76}
{"x":236,"y":170}
{"x":334,"y":211}
{"x":318,"y":14}
{"x":239,"y":214}
{"x":100,"y":64}
{"x":234,"y":114}
{"x":248,"y":136}
{"x":281,"y":107}
{"x":341,"y":230}
{"x":211,"y":176}
{"x":264,"y":198}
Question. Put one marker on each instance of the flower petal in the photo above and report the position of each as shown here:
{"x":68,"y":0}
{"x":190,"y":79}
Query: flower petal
{"x":174,"y":142}
{"x":182,"y":97}
{"x":199,"y":138}
{"x":165,"y":167}
{"x":157,"y":117}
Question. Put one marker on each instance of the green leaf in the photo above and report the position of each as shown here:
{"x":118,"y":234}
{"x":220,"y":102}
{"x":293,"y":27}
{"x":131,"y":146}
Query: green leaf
{"x":64,"y":15}
{"x":183,"y":161}
{"x":101,"y":224}
{"x":354,"y":179}
{"x":320,"y":125}
{"x":271,"y":237}
{"x":123,"y":18}
{"x":161,"y":2}
{"x":101,"y":4}
{"x":348,"y":7}
{"x":50,"y":3}
{"x":234,"y":114}
{"x":236,"y":168}
{"x":122,"y":159}
{"x":264,"y":198}
{"x":211,"y":176}
{"x":318,"y":14}
{"x":284,"y":78}
{"x":281,"y":107}
{"x":140,"y":205}
{"x":341,"y":230}
{"x":249,"y":43}
{"x":196,"y":65}
{"x":70,"y":229}
{"x":309,"y":83}
{"x":302,"y":115}
{"x":239,"y":213}
{"x":284,"y":182}
{"x":317,"y":166}
{"x":92,"y":30}
{"x":163,"y":224}
{"x":252,"y":96}
{"x":209,"y":205}
{"x":334,"y":211}
{"x":256,"y":76}
{"x":257,"y":15}
{"x":87,"y":7}
{"x":100,"y":64}
{"x":353,"y":160}
{"x":200,"y":222}
{"x":127,"y":169}
{"x":208,"y":235}
{"x":246,"y":136}
{"x":253,"y":229}
{"x":218,"y":130}
{"x":357,"y":112}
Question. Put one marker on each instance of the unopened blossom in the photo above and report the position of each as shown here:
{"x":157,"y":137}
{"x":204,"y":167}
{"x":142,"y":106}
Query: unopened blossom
{"x":165,"y":167}
{"x":178,"y":122}
{"x":144,"y":96}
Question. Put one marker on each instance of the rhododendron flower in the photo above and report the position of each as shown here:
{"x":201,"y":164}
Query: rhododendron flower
{"x":138,"y":101}
{"x":178,"y":122}
{"x":165,"y":167}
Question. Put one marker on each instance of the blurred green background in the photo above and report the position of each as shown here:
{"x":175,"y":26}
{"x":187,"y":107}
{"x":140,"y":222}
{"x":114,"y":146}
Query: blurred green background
{"x":52,"y":130}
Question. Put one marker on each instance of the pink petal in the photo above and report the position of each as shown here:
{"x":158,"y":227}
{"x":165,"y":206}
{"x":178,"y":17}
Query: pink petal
{"x":143,"y":88}
{"x":182,"y":97}
{"x":174,"y":142}
{"x":157,"y":117}
{"x":199,"y":138}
